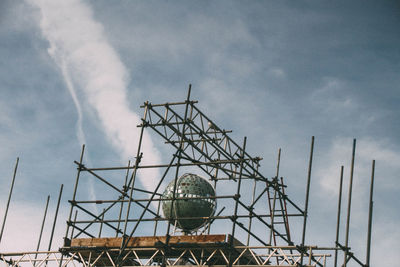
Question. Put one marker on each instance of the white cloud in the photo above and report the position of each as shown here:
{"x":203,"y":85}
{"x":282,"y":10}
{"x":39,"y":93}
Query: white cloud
{"x":77,"y":40}
{"x":366,"y":150}
{"x":200,"y":34}
{"x":22,"y":229}
{"x":385,"y":238}
{"x":277,"y":72}
{"x":333,"y":97}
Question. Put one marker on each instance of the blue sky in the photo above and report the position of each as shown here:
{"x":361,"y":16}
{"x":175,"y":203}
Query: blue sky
{"x":277,"y":72}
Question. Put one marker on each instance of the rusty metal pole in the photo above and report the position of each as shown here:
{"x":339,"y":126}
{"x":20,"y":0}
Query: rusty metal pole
{"x":338,"y":213}
{"x":307,"y":198}
{"x":371,"y":204}
{"x":9,"y":199}
{"x":349,"y":204}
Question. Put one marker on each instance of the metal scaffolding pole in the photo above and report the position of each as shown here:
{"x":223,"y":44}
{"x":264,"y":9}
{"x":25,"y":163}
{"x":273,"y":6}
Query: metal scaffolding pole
{"x":179,"y":155}
{"x":237,"y":197}
{"x":44,"y":220}
{"x":371,"y":206}
{"x":307,"y":197}
{"x":338,"y":213}
{"x":74,"y":194}
{"x":131,"y":182}
{"x":250,"y":217}
{"x":122,"y":197}
{"x":55,"y":217}
{"x":273,"y":206}
{"x":349,"y":205}
{"x":9,"y":199}
{"x":73,"y":228}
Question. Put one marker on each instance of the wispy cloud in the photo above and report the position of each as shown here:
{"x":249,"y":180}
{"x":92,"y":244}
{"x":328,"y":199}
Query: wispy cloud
{"x":367,"y":150}
{"x":25,"y":236}
{"x":87,"y":60}
{"x":277,"y":73}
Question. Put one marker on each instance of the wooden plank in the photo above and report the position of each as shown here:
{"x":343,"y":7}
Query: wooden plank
{"x":147,"y":241}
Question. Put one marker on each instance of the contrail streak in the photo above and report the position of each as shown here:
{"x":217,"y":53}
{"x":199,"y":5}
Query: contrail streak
{"x":79,"y":129}
{"x":80,"y":134}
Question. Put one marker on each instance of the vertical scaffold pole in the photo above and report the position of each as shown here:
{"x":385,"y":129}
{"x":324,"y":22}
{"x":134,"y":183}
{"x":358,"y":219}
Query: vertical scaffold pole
{"x":9,"y":199}
{"x":338,"y":213}
{"x":237,"y":196}
{"x":307,"y":197}
{"x":131,"y":185}
{"x":252,"y":201}
{"x":133,"y":178}
{"x":74,"y":195}
{"x":179,"y":154}
{"x":371,"y":204}
{"x":349,"y":204}
{"x":55,"y":217}
{"x":122,"y":198}
{"x":156,"y":221}
{"x":273,"y":207}
{"x":215,"y":189}
{"x":41,"y":228}
{"x":101,"y":223}
{"x":75,"y":216}
{"x":43,"y":222}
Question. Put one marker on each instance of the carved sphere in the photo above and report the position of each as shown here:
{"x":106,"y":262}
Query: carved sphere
{"x":194,"y":198}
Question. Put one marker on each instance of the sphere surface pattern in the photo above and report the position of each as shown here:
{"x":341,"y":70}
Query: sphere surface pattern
{"x":197,"y":201}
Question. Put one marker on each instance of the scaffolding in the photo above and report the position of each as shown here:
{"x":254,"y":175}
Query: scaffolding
{"x":250,"y":228}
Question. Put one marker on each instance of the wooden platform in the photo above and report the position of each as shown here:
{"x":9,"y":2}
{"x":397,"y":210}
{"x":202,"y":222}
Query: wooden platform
{"x":195,"y":248}
{"x":151,"y":241}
